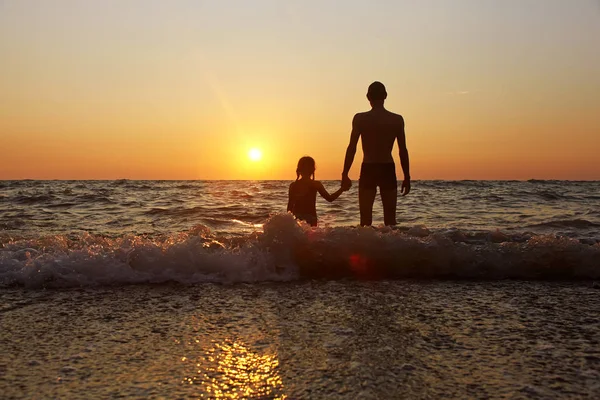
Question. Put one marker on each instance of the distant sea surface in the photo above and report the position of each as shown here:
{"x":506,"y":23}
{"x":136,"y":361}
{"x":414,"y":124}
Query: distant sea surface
{"x":73,"y":233}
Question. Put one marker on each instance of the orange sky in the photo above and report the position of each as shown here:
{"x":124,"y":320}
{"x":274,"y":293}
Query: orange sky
{"x":183,"y":90}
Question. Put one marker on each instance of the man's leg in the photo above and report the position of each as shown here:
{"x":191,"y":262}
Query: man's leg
{"x":366,"y":198}
{"x":389,"y":198}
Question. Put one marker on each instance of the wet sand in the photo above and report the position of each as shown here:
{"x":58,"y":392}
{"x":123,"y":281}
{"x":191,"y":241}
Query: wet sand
{"x":317,"y":340}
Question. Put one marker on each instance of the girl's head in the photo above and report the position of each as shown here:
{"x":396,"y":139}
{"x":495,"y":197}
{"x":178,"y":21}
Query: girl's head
{"x":306,"y":167}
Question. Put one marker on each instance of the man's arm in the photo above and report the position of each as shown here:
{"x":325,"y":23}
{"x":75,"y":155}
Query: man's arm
{"x":404,"y":161}
{"x":351,"y":150}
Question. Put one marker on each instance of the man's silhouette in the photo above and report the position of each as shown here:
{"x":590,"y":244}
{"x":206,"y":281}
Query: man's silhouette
{"x":378,"y":129}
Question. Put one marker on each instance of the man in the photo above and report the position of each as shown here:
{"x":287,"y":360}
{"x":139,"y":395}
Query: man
{"x":378,"y":129}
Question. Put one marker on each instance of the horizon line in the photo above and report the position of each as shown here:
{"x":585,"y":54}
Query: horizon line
{"x":279,"y":180}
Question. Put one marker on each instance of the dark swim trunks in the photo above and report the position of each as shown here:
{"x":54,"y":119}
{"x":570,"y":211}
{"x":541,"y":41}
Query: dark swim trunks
{"x":378,"y":174}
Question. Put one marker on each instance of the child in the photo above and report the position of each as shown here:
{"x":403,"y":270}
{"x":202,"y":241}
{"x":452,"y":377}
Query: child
{"x":303,"y":192}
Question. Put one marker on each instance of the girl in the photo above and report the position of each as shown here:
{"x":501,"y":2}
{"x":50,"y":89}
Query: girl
{"x":303,"y":192}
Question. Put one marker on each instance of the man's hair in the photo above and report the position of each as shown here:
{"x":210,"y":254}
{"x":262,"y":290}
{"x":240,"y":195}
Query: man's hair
{"x":376,"y":91}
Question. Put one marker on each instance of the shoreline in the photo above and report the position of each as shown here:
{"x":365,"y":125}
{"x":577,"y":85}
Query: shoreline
{"x":307,"y":339}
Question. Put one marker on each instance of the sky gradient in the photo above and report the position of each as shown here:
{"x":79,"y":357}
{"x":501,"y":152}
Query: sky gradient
{"x":183,"y":89}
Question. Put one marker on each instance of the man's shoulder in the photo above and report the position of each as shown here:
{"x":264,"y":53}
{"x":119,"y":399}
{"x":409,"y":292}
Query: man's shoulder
{"x":360,"y":115}
{"x":396,"y":116}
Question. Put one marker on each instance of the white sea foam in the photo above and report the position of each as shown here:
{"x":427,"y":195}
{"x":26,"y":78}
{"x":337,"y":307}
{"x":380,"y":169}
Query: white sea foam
{"x":288,"y":250}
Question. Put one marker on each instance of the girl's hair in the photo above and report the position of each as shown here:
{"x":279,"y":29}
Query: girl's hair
{"x":306,"y":166}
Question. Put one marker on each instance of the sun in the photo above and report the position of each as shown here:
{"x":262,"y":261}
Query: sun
{"x":255,"y":154}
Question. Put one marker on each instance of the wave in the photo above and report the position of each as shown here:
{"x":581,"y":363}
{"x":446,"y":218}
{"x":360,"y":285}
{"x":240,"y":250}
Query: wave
{"x":32,"y":199}
{"x":455,"y":183}
{"x":545,"y":196}
{"x":569,"y":223}
{"x":239,"y":194}
{"x":176,"y":211}
{"x":189,"y":185}
{"x":287,"y":250}
{"x":212,"y":212}
{"x":548,"y":195}
{"x":61,"y":205}
{"x":544,"y":181}
{"x":101,"y":197}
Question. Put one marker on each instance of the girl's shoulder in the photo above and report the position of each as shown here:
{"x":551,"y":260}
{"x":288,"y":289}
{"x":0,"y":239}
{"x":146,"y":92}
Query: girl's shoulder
{"x":296,"y":185}
{"x":304,"y":185}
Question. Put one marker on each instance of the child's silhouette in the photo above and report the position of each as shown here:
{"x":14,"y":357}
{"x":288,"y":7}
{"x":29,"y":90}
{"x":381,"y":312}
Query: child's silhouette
{"x":302,"y":200}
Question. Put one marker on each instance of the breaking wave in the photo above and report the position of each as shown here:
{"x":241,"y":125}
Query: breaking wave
{"x":287,"y":250}
{"x":569,"y":223}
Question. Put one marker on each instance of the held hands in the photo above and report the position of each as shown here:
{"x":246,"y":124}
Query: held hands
{"x":405,"y":189}
{"x":346,"y":183}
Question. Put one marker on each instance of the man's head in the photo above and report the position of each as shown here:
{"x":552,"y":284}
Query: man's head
{"x":376,"y":92}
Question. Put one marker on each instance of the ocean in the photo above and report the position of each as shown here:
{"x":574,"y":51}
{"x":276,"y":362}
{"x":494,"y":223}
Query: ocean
{"x":97,"y":233}
{"x":177,"y":289}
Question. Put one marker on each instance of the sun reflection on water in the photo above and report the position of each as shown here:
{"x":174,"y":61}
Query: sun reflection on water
{"x":232,"y":371}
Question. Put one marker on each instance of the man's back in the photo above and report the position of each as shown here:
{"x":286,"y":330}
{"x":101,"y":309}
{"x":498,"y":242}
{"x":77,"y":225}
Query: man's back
{"x":378,"y":128}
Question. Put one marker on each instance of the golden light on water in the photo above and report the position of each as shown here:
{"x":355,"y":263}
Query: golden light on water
{"x":233,"y":371}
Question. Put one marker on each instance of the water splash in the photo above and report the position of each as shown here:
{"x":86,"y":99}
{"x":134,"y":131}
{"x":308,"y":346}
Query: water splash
{"x":288,"y":250}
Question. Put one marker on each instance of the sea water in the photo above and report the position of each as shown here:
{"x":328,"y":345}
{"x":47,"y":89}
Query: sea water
{"x":95,"y":233}
{"x":197,"y":289}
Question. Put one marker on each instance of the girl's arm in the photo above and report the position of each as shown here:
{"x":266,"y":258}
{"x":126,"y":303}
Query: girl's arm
{"x":323,"y":192}
{"x":290,"y":203}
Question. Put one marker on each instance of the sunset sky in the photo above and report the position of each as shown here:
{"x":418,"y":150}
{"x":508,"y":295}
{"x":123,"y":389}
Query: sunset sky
{"x":153,"y":89}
